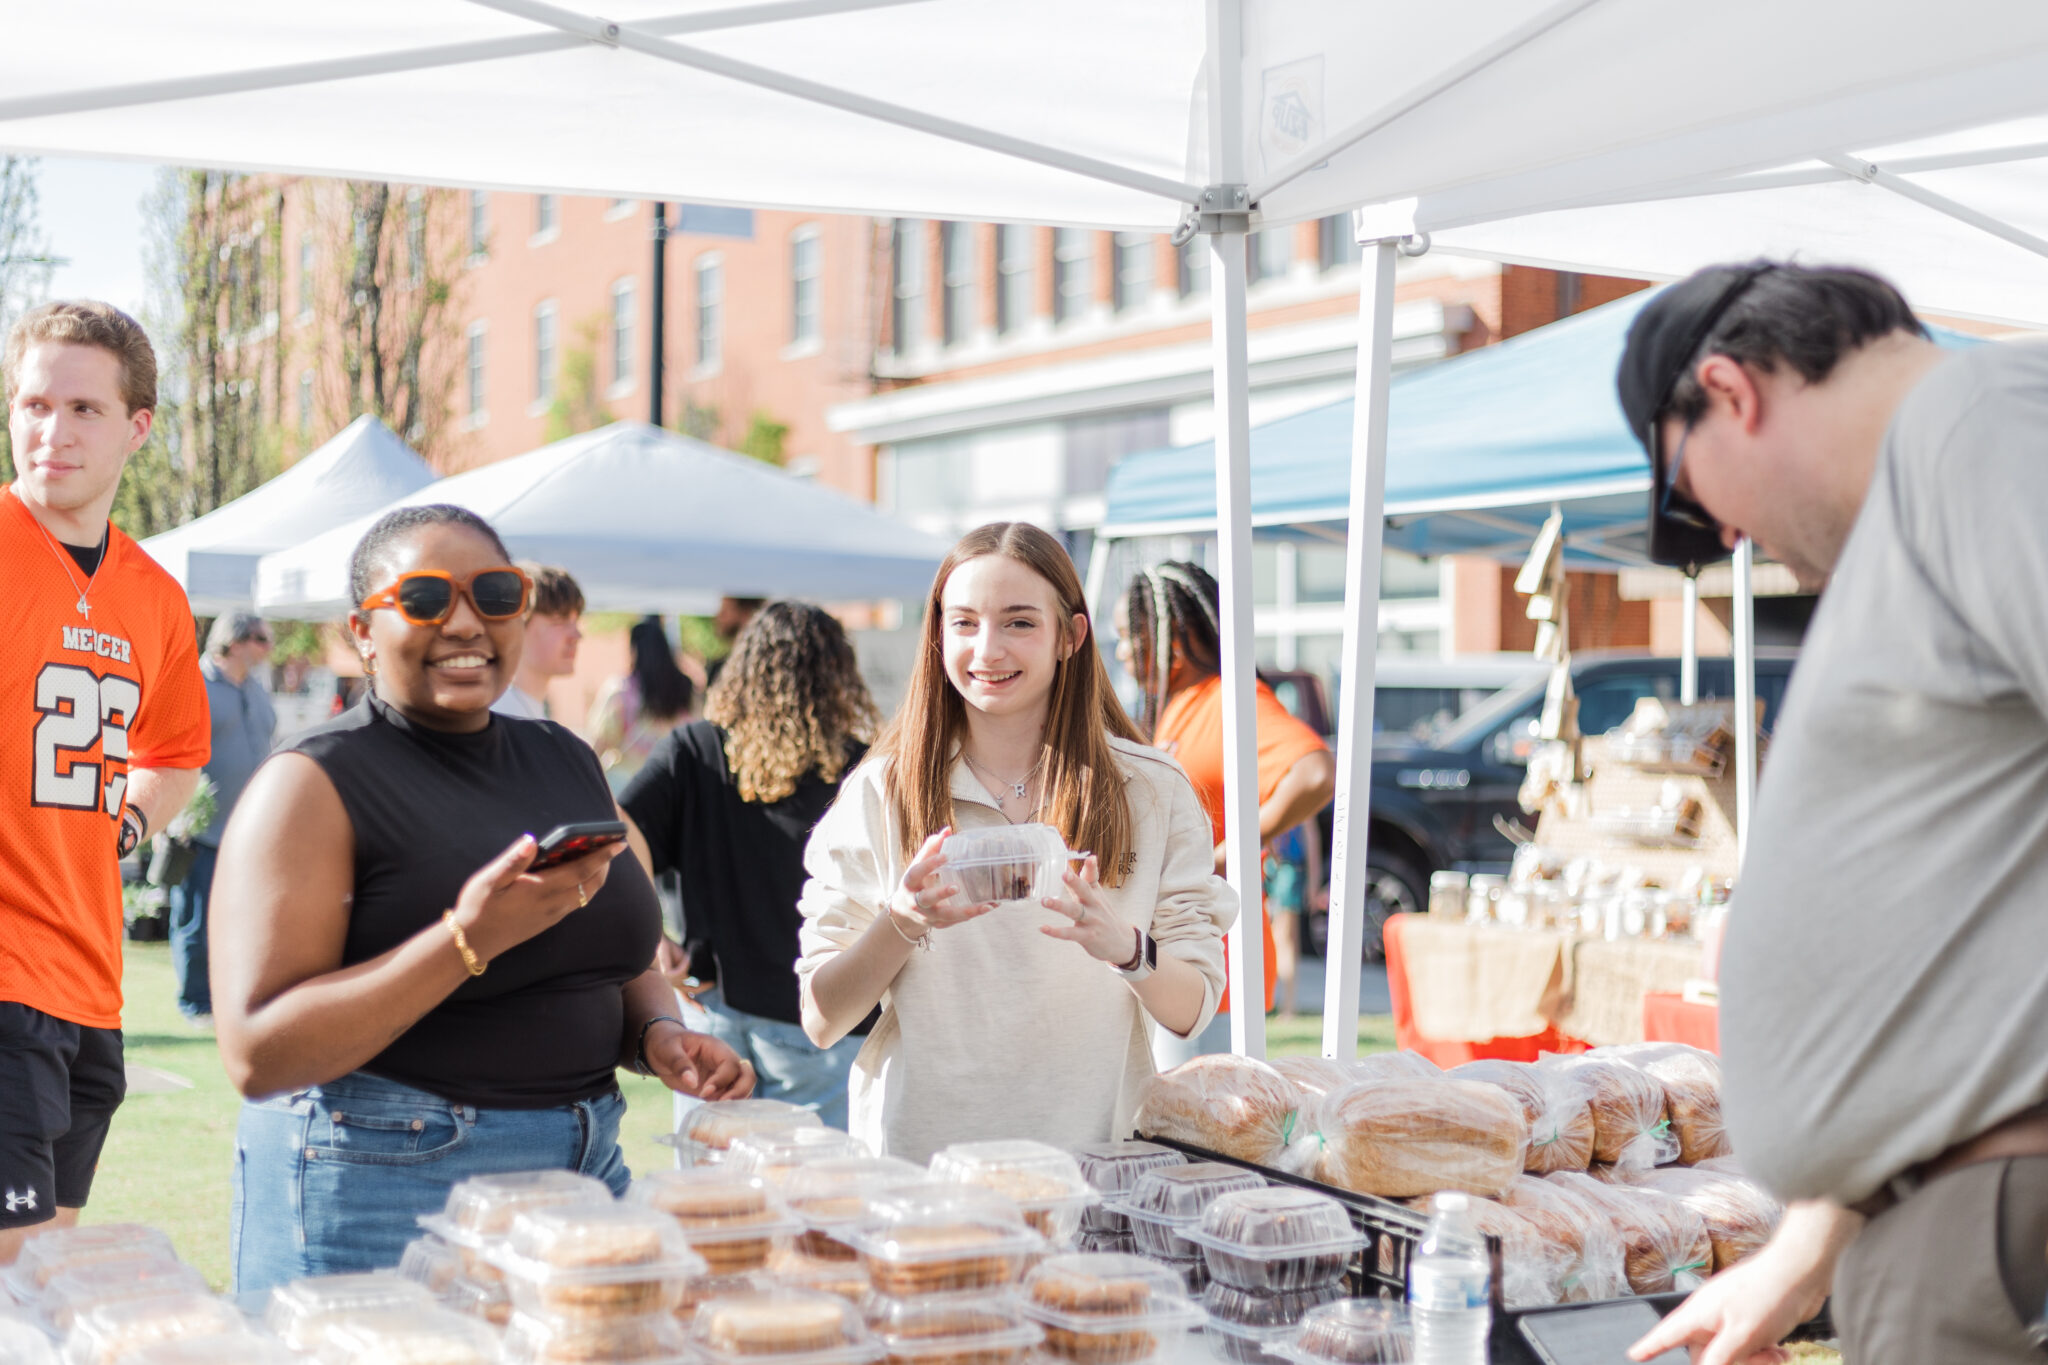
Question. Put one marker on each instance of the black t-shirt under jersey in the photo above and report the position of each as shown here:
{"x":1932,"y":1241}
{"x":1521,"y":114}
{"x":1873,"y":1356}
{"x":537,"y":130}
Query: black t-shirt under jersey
{"x":543,"y":1025}
{"x":741,"y":862}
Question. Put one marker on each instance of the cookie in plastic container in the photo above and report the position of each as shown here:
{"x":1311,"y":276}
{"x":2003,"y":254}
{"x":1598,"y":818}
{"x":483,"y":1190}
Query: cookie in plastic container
{"x":1045,"y":1181}
{"x":708,"y":1131}
{"x":1111,"y":1169}
{"x":1167,"y":1204}
{"x":775,"y":1153}
{"x":480,"y":1210}
{"x":1249,"y":1328}
{"x":88,"y":1286}
{"x":1003,"y":863}
{"x":1276,"y":1240}
{"x":596,"y":1261}
{"x":1354,"y":1332}
{"x":732,"y":1219}
{"x":656,"y":1340}
{"x":110,"y":1332}
{"x":788,"y":1327}
{"x":944,"y":1239}
{"x":1106,"y":1309}
{"x":408,"y":1336}
{"x":952,"y":1331}
{"x":830,"y":1197}
{"x":47,"y":1255}
{"x":300,"y":1310}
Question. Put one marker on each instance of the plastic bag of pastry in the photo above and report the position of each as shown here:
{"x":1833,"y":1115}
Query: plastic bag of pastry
{"x":656,"y":1340}
{"x":952,"y":1331}
{"x":47,"y":1255}
{"x":109,"y":1333}
{"x":774,"y":1153}
{"x":1045,"y":1181}
{"x":1692,"y":1092}
{"x":1354,"y":1332}
{"x":1558,"y":1108}
{"x":1224,"y":1103}
{"x":403,"y":1336}
{"x":22,"y":1342}
{"x":731,"y":1219}
{"x":783,"y":1325}
{"x":708,"y":1132}
{"x":943,"y":1239}
{"x":1582,"y":1231}
{"x":1631,"y":1117}
{"x":1106,"y":1309}
{"x":1740,"y":1215}
{"x":1112,"y":1169}
{"x":1400,"y":1139}
{"x":1664,"y":1244}
{"x":597,"y":1261}
{"x":830,"y":1197}
{"x":301,"y":1309}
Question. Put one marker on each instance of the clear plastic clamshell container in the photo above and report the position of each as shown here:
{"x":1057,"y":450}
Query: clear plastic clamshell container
{"x":22,"y":1341}
{"x":1112,"y":1169}
{"x":788,"y":1326}
{"x":700,"y":1291}
{"x":480,"y":1210}
{"x":1044,"y":1181}
{"x":98,"y":1282}
{"x":943,"y":1239}
{"x":731,"y":1219}
{"x":1276,"y":1240}
{"x":408,"y":1336}
{"x":1003,"y":863}
{"x":952,"y":1331}
{"x":708,"y":1131}
{"x":488,"y":1300}
{"x":775,"y":1153}
{"x":1166,"y":1204}
{"x":596,"y":1261}
{"x":830,"y":1197}
{"x":1353,"y":1332}
{"x":300,"y":1310}
{"x":1107,"y":1309}
{"x":240,"y":1349}
{"x":792,"y":1269}
{"x":47,"y":1255}
{"x":1251,"y":1328}
{"x":109,"y":1333}
{"x":430,"y":1262}
{"x":656,"y":1340}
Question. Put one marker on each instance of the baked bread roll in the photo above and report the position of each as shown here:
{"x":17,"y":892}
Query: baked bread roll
{"x":1630,"y":1114}
{"x":1582,"y":1231}
{"x":1224,"y":1103}
{"x":1692,"y":1093}
{"x":1740,"y":1215}
{"x":1558,"y":1108}
{"x":1664,"y":1244}
{"x":1400,"y":1139}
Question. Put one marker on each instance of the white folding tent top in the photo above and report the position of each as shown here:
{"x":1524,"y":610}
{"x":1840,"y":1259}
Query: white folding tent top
{"x":645,"y":520}
{"x":214,"y":557}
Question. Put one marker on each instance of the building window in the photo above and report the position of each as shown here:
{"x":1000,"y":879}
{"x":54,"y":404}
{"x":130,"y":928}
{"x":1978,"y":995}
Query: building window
{"x":1073,"y":263}
{"x":1336,"y":243}
{"x":1194,"y":266}
{"x":479,"y":224}
{"x":620,"y":208}
{"x":1014,"y":276}
{"x":622,"y":332}
{"x":305,"y":402}
{"x":957,"y":251}
{"x":804,"y":255}
{"x":415,"y":238}
{"x":710,"y":312}
{"x":308,"y":257}
{"x":547,"y":215}
{"x":473,"y":372}
{"x":907,"y":284}
{"x":1133,"y":270}
{"x":544,"y":319}
{"x":1270,"y":254}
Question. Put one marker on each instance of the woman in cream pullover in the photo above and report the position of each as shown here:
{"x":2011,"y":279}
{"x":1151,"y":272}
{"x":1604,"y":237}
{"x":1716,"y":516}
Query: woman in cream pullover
{"x":1009,"y":1020}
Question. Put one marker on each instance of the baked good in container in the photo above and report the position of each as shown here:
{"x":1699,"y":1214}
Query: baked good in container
{"x":1740,"y":1214}
{"x":408,"y":1336}
{"x":1278,"y":1239}
{"x":299,"y":1310}
{"x":1106,"y":1309}
{"x":46,"y":1255}
{"x":88,"y":1286}
{"x":240,"y":1348}
{"x":1400,"y":1139}
{"x":709,"y":1130}
{"x":1112,"y":1169}
{"x":1692,"y":1094}
{"x":952,"y":1331}
{"x":1354,"y":1332}
{"x":1044,"y":1181}
{"x":480,"y":1210}
{"x":773,"y":1154}
{"x":1249,"y":1328}
{"x":781,"y":1323}
{"x":430,"y":1262}
{"x":705,"y":1288}
{"x":1558,"y":1109}
{"x":829,"y":1197}
{"x":731,"y":1219}
{"x":1583,"y":1233}
{"x":596,"y":1260}
{"x":792,"y":1269}
{"x":656,"y":1340}
{"x":1630,"y":1113}
{"x":1167,"y":1204}
{"x":109,"y":1333}
{"x":1665,"y":1245}
{"x":943,"y":1239}
{"x":1224,"y":1103}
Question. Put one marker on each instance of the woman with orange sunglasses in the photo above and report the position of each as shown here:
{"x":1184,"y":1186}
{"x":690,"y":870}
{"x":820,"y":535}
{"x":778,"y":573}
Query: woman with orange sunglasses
{"x":403,"y":998}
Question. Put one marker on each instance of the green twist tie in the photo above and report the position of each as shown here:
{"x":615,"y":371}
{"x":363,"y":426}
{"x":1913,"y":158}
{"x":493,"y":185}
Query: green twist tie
{"x":1556,"y":1134}
{"x":1690,"y":1267}
{"x":1287,"y":1128}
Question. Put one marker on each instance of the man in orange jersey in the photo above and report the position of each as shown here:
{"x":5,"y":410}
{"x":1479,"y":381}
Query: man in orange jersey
{"x":103,"y":728}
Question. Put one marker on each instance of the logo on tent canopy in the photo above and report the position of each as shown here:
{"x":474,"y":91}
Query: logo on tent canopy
{"x":1291,"y":116}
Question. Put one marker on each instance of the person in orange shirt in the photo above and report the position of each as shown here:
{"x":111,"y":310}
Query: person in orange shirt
{"x":1167,"y":638}
{"x":103,"y":730}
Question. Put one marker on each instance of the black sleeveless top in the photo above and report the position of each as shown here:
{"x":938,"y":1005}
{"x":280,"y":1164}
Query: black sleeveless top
{"x":543,"y":1026}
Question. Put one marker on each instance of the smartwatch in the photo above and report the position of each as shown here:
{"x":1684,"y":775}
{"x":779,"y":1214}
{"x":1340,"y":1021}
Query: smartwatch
{"x":1146,"y":962}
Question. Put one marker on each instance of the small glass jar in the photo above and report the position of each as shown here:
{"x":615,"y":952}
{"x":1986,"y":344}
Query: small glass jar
{"x":1447,"y":892}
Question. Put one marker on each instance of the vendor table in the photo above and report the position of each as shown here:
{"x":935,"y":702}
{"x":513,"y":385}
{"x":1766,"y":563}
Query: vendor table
{"x":1671,"y":1018}
{"x":1463,"y":991}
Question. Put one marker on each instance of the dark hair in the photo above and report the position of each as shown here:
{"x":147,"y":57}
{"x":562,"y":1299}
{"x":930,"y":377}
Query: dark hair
{"x":396,"y":525}
{"x":790,"y":700}
{"x":665,"y":690}
{"x":1172,"y":606}
{"x":748,"y":604}
{"x":1807,"y":317}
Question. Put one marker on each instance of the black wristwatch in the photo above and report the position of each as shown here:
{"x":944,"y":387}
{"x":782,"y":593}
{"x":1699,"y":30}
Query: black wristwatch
{"x":1145,"y":963}
{"x":640,"y":1049}
{"x":134,"y":829}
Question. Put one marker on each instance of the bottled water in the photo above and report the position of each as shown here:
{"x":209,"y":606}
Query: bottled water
{"x":1447,"y":1284}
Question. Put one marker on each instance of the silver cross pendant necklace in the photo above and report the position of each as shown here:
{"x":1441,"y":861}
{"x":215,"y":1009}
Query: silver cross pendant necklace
{"x":64,"y":560}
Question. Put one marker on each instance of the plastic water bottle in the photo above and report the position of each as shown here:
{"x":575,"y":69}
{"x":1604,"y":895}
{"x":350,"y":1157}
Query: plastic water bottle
{"x":1447,"y":1284}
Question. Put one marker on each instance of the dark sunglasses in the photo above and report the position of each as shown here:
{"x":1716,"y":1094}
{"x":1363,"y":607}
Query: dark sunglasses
{"x":1676,"y":506}
{"x":426,"y":597}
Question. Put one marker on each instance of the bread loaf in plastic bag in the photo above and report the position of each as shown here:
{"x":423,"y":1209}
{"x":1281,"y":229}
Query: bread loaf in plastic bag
{"x":1558,"y":1107}
{"x":1664,"y":1244}
{"x":1401,"y":1138}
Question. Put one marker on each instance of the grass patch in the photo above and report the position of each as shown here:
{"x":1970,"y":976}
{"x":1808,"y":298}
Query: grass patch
{"x":1301,"y":1035}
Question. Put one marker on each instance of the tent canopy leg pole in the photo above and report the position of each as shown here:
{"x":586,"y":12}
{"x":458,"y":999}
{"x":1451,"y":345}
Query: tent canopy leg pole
{"x":1349,"y":878}
{"x":1745,"y":694}
{"x":1689,"y":644}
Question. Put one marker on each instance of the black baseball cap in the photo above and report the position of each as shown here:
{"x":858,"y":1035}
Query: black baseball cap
{"x":1662,"y":342}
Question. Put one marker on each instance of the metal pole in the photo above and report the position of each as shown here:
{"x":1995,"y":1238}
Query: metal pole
{"x":1745,"y":694}
{"x":1689,"y":644}
{"x":658,"y":320}
{"x":1349,"y":879}
{"x":1234,"y":536}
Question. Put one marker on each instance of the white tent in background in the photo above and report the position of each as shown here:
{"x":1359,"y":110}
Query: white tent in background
{"x":646,"y":520}
{"x":1227,"y":114}
{"x":214,"y":556}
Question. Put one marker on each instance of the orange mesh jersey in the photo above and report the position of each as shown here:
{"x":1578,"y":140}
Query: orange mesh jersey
{"x":83,"y":698}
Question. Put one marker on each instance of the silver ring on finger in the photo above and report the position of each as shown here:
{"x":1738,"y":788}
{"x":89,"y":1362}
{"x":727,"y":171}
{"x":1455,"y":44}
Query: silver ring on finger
{"x":1081,"y":915}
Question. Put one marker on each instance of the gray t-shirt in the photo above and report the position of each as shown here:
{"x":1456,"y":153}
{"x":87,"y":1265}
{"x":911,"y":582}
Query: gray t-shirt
{"x":1885,"y":976}
{"x":244,"y":723}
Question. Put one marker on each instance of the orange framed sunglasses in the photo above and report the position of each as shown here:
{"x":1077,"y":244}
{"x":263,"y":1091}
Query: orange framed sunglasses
{"x":426,"y":597}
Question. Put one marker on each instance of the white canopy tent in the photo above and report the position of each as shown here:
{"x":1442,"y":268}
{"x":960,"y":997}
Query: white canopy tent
{"x":214,"y":557}
{"x":646,"y":520}
{"x":1068,"y":112}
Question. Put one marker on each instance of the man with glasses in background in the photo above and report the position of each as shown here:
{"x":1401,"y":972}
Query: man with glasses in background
{"x":244,"y":723}
{"x":1884,"y":980}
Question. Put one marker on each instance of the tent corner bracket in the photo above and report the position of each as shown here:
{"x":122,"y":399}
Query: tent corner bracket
{"x":1218,"y":209}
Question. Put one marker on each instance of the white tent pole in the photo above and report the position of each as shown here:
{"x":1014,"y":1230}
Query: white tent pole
{"x":1689,"y":644}
{"x":1745,"y":693}
{"x":608,"y":33}
{"x":1349,"y":879}
{"x":1234,"y":533}
{"x":1940,"y":203}
{"x":408,"y":59}
{"x":1099,"y":551}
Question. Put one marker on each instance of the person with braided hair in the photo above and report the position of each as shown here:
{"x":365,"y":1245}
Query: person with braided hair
{"x":1169,"y":639}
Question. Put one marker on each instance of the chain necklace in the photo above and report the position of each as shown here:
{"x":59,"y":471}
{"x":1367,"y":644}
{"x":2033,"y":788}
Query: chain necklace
{"x":64,"y":560}
{"x":1017,"y":788}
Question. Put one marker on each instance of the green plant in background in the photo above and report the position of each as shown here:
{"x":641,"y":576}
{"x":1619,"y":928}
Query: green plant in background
{"x":579,"y":403}
{"x":197,"y":813}
{"x":764,"y":439}
{"x":296,"y":642}
{"x":698,"y":421}
{"x":696,"y":635}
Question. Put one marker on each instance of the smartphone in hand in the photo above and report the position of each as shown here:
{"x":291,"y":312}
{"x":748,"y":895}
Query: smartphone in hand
{"x":566,"y":842}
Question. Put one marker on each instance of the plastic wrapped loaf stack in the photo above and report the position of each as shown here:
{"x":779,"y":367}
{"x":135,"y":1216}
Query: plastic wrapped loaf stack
{"x":1563,"y":1217}
{"x":1631,"y":1115}
{"x":1400,"y":1139}
{"x":1740,"y":1215}
{"x":1665,"y":1245}
{"x":1229,"y":1104}
{"x":1692,"y":1094}
{"x":1557,"y":1106}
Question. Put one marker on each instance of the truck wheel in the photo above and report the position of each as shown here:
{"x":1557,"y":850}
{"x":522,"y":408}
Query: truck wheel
{"x":1394,"y":886}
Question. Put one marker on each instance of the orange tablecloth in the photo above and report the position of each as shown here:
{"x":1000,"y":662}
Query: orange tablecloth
{"x":1671,"y":1018}
{"x":1448,"y":1052}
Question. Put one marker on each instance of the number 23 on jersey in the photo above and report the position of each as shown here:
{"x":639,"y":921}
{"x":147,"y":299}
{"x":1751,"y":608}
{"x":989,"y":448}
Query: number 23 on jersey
{"x":78,"y":709}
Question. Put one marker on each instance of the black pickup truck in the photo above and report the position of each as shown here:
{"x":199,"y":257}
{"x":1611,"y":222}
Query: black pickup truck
{"x":1434,"y":804}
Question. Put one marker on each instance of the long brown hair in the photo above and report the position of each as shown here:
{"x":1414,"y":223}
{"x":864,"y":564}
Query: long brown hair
{"x":1084,"y":789}
{"x":790,"y":700}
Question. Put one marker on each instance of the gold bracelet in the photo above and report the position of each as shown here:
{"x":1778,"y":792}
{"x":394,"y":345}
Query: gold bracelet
{"x":469,"y":958}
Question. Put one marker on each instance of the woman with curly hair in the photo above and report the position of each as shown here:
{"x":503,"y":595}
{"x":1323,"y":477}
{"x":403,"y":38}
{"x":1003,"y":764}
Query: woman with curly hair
{"x":727,"y":803}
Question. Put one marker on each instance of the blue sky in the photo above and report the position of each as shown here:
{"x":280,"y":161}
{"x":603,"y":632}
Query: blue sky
{"x":91,"y":214}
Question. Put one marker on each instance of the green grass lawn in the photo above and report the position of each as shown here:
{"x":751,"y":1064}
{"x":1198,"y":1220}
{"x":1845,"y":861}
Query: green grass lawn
{"x":168,"y":1158}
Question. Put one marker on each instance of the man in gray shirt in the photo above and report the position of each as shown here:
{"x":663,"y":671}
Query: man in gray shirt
{"x":1884,"y":1006}
{"x":243,"y":726}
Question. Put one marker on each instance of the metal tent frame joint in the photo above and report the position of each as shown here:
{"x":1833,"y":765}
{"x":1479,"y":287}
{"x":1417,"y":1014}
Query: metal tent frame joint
{"x":1219,"y":210}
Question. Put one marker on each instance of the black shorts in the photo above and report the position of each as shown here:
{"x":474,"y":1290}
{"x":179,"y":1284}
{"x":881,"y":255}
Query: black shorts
{"x":60,"y":1084}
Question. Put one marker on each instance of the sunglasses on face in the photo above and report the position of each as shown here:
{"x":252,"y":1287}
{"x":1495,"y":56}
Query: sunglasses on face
{"x":426,"y":597}
{"x":1677,"y":506}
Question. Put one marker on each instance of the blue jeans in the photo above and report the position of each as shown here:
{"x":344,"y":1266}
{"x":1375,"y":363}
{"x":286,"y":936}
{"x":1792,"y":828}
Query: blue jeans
{"x":789,"y":1065}
{"x":188,"y":933}
{"x":333,"y":1179}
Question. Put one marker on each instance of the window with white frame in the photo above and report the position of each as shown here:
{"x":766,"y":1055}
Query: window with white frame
{"x":547,"y":215}
{"x":710,"y":311}
{"x":1194,"y":266}
{"x":309,"y":256}
{"x":1073,"y":272}
{"x":1270,"y":254}
{"x":305,"y":402}
{"x":479,"y":224}
{"x":1015,"y":276}
{"x":1337,"y":244}
{"x":805,"y":256}
{"x":620,"y":208}
{"x":546,"y":318}
{"x":473,"y":372}
{"x":1133,"y":270}
{"x":956,"y":251}
{"x":907,"y":284}
{"x":623,"y":310}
